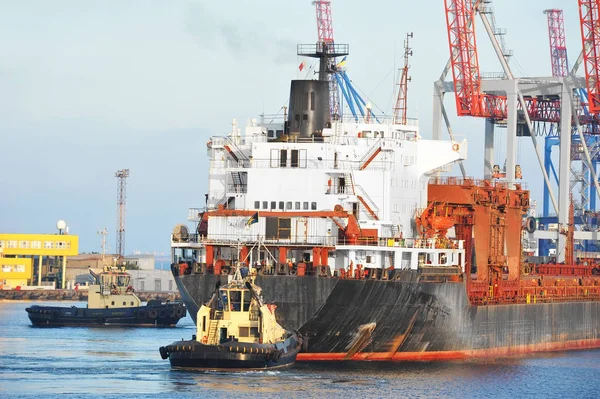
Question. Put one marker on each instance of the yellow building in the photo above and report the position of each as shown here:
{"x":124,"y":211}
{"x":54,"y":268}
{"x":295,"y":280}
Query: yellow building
{"x":20,"y":252}
{"x":15,"y":272}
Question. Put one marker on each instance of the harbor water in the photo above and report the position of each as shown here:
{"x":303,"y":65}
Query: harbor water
{"x":125,"y":363}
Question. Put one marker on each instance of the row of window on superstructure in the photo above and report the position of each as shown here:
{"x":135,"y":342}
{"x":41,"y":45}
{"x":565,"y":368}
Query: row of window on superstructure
{"x":286,"y":205}
{"x":35,"y":244}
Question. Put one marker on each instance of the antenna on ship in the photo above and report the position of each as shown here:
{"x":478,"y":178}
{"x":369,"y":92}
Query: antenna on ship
{"x":103,"y":233}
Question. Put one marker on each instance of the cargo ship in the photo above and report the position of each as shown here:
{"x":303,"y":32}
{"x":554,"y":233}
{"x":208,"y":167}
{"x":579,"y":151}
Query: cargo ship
{"x":368,"y":251}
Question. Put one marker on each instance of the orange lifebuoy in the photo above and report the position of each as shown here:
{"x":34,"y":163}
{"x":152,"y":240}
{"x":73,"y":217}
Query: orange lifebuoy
{"x":204,"y":339}
{"x":455,"y":147}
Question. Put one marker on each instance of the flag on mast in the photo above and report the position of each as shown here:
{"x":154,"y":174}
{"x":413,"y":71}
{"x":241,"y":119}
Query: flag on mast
{"x":253,"y":219}
{"x":301,"y":66}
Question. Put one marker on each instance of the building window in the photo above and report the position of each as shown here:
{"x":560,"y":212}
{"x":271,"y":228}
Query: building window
{"x":265,"y":205}
{"x":142,"y":286}
{"x":273,"y":205}
{"x":313,"y":206}
{"x":288,"y":205}
{"x":1,"y":244}
{"x":256,"y":204}
{"x":11,"y":244}
{"x":36,"y":244}
{"x":20,"y":268}
{"x":305,"y":206}
{"x":6,"y":268}
{"x":297,"y":205}
{"x":281,"y":205}
{"x":23,"y":244}
{"x":48,"y":245}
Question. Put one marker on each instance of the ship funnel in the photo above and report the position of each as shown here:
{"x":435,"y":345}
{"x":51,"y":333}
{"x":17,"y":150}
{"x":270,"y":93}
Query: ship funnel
{"x":309,"y":108}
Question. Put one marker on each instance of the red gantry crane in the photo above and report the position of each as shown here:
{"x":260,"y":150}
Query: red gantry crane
{"x":590,"y":36}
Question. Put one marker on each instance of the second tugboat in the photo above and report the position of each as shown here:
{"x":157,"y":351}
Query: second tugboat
{"x":111,"y":302}
{"x":237,"y":331}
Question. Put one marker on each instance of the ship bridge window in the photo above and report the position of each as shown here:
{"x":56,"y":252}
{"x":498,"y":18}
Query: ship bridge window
{"x":305,"y":205}
{"x":270,"y":133}
{"x":265,"y":205}
{"x":294,"y":160}
{"x":313,"y":206}
{"x":273,"y":205}
{"x":297,"y":205}
{"x":256,"y":204}
{"x":282,"y":158}
{"x":281,"y":205}
{"x":288,"y":205}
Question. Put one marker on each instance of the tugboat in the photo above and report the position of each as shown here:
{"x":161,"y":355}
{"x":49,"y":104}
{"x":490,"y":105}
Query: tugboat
{"x":237,"y":331}
{"x":111,"y":302}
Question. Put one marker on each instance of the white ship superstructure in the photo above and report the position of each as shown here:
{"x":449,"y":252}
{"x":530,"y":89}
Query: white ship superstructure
{"x":336,"y":200}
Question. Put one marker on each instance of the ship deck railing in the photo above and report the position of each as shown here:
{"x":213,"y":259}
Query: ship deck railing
{"x":255,"y":163}
{"x":472,"y":182}
{"x":327,"y":241}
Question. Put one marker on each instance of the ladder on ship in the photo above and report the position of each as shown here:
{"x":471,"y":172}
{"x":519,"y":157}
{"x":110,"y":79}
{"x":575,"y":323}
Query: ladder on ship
{"x":238,"y":181}
{"x":212,"y":332}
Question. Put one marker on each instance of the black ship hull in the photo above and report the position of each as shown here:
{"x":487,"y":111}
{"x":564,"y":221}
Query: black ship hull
{"x":232,"y":356}
{"x":407,"y":319}
{"x":160,"y":315}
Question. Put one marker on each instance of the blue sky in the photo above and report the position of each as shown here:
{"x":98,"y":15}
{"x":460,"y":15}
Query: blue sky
{"x":90,"y":87}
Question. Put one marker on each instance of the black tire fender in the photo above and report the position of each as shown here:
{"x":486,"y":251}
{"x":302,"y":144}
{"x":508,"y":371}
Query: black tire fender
{"x":164,"y":354}
{"x":162,"y":314}
{"x":152,"y":313}
{"x":276,"y":356}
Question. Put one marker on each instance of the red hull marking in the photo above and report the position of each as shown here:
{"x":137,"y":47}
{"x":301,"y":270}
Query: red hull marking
{"x":453,"y":355}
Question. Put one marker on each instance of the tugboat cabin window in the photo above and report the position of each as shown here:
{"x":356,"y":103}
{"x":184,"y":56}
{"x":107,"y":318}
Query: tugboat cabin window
{"x":254,"y":332}
{"x":246,"y":298}
{"x":124,"y":303}
{"x":224,"y":300}
{"x":244,"y":332}
{"x":113,"y":303}
{"x":235,"y":297}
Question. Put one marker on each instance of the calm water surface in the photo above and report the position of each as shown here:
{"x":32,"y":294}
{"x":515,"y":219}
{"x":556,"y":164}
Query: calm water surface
{"x":125,"y":363}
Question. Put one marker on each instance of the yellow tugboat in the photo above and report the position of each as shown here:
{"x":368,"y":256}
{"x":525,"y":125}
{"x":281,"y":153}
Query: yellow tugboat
{"x":236,"y":330}
{"x":111,"y":302}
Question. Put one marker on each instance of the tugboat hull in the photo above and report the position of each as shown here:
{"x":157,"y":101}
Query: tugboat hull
{"x":164,"y":315}
{"x":232,"y":356}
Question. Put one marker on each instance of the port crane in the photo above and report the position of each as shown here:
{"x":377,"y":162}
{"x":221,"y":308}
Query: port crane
{"x":479,"y":97}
